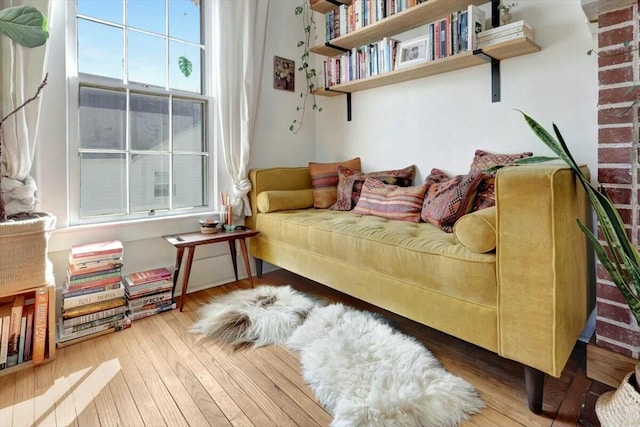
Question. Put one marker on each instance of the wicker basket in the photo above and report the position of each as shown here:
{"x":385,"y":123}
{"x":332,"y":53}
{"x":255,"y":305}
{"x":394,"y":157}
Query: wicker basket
{"x":23,"y":253}
{"x":620,"y":407}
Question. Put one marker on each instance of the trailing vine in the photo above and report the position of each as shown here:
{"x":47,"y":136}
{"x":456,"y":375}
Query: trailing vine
{"x":309,"y":25}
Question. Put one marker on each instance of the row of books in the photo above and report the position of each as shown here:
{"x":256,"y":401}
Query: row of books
{"x":149,"y":292}
{"x":360,"y":13}
{"x":448,"y":36}
{"x":23,"y":328}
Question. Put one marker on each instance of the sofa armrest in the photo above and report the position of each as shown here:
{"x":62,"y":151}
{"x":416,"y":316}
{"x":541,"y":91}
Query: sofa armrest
{"x":280,"y":179}
{"x":541,"y":264}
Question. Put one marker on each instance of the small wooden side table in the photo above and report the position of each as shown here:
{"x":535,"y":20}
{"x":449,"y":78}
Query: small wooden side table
{"x":191,"y":240}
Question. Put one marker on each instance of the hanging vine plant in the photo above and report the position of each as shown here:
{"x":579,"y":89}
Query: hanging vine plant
{"x":311,"y":75}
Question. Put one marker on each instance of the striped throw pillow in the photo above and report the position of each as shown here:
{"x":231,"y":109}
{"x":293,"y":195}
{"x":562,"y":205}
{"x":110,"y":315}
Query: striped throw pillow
{"x":390,"y":201}
{"x":324,"y":181}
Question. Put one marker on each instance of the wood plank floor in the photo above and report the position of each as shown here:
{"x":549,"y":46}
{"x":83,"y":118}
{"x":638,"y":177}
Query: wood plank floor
{"x":157,"y":374}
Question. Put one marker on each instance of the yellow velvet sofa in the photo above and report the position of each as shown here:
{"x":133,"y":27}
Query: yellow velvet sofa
{"x":522,"y":295}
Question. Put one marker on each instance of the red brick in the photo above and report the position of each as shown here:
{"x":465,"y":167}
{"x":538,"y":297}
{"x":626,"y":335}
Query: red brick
{"x":620,"y":196}
{"x":615,"y":75}
{"x":609,"y":292}
{"x":615,"y":56}
{"x":614,"y":175}
{"x":610,"y":116}
{"x":618,"y":95}
{"x":615,"y":135}
{"x":617,"y":333}
{"x":625,"y":214}
{"x":614,"y":312}
{"x":614,"y":155}
{"x":615,"y":36}
{"x":613,"y":347}
{"x":616,"y":17}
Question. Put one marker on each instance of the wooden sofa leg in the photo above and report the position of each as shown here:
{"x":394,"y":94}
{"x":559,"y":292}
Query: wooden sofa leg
{"x":258,"y":268}
{"x":534,"y":384}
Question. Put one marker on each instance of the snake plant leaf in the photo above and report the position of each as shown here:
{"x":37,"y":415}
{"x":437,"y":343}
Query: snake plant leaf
{"x":25,"y":25}
{"x":534,"y":159}
{"x":185,"y":66}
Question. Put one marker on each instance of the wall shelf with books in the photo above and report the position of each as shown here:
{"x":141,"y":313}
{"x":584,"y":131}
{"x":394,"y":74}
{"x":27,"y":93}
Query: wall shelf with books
{"x":406,"y":20}
{"x":36,"y":342}
{"x":324,"y":6}
{"x":499,"y":51}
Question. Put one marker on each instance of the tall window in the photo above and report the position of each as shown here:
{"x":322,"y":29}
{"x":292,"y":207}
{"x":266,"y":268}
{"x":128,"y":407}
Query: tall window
{"x":141,"y":138}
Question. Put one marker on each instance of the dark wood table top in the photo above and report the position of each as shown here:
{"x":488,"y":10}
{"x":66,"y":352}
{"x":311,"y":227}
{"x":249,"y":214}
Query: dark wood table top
{"x":196,"y":238}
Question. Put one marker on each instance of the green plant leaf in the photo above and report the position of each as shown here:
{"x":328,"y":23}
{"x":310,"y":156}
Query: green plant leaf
{"x":298,"y":10}
{"x":25,"y":25}
{"x":300,"y":43}
{"x":185,"y":66}
{"x":534,"y":160}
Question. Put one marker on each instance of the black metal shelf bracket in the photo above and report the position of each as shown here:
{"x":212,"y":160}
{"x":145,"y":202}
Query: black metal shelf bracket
{"x":333,"y":46}
{"x":335,"y":2}
{"x":495,"y":74}
{"x":328,"y":89}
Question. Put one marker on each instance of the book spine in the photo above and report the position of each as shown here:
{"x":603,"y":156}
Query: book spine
{"x":81,"y":327}
{"x":133,"y":293}
{"x":87,"y":337}
{"x":68,"y":323}
{"x":85,"y":332}
{"x":29,"y":337}
{"x":105,"y":259}
{"x":147,"y":313}
{"x":92,"y":308}
{"x":40,"y":315}
{"x":98,"y":273}
{"x":165,"y":296}
{"x":95,"y":283}
{"x":73,"y":302}
{"x":92,"y":290}
{"x":23,"y":333}
{"x":90,"y":267}
{"x":4,"y":341}
{"x":14,"y":330}
{"x":96,"y":279}
{"x":150,"y":306}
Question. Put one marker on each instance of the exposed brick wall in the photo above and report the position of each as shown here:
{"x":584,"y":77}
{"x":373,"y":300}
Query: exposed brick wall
{"x":618,"y":157}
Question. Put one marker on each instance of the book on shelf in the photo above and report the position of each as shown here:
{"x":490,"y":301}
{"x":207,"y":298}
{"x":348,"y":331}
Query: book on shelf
{"x":77,"y":301}
{"x":160,"y":287}
{"x":150,"y":306}
{"x":28,"y":343}
{"x":92,"y":266}
{"x":117,"y":324}
{"x":475,"y":20}
{"x":68,"y":293}
{"x":87,"y":318}
{"x":82,"y":326}
{"x":96,"y":282}
{"x":40,"y":316}
{"x":5,"y":317}
{"x":148,"y":299}
{"x":488,"y":42}
{"x":23,"y":336}
{"x":14,"y":330}
{"x":153,"y":275}
{"x":513,"y":27}
{"x":77,"y":275}
{"x":93,"y":308}
{"x":146,"y":313}
{"x":105,"y":249}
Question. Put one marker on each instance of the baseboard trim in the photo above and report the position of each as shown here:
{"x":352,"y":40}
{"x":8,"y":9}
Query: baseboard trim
{"x":607,"y":366}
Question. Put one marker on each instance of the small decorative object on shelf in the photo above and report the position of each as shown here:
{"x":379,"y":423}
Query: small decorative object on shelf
{"x":505,"y":16}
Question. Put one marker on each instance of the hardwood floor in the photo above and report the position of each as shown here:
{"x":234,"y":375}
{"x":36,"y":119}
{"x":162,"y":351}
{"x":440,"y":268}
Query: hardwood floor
{"x":156,"y":373}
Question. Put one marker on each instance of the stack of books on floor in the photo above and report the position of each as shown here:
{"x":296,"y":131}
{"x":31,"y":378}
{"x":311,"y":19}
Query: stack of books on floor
{"x":23,"y":328}
{"x":503,"y":33}
{"x":93,"y":300}
{"x":149,"y":292}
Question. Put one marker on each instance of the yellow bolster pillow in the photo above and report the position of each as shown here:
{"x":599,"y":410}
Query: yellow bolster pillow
{"x":272,"y":201}
{"x":477,"y":230}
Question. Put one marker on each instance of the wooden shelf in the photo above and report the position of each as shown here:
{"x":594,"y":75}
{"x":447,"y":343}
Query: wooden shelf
{"x":408,"y":19}
{"x":499,"y":51}
{"x":324,"y":6}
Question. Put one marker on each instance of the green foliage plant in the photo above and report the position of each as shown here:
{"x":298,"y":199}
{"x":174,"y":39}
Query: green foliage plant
{"x":310,"y":73}
{"x":619,"y":256}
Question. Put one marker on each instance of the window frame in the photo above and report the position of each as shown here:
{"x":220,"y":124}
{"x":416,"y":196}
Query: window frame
{"x":75,"y":81}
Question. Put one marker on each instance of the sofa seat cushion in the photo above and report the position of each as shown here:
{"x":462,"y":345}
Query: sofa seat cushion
{"x":417,"y":253}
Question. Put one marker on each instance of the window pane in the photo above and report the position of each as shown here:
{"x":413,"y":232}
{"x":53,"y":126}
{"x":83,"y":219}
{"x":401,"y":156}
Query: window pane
{"x":187,"y":126}
{"x":189,"y":173}
{"x":102,"y":188}
{"x":106,"y":10}
{"x":102,"y":118}
{"x":177,"y":78}
{"x":184,"y":20}
{"x":149,"y":122}
{"x":149,"y":182}
{"x":147,"y":59}
{"x":147,"y":15}
{"x":100,"y":50}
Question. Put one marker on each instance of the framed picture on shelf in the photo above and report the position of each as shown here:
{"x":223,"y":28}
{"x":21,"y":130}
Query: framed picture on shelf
{"x":412,"y":52}
{"x":284,"y":74}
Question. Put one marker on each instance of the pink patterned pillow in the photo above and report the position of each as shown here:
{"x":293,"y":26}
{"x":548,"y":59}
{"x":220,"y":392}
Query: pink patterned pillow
{"x":447,"y":199}
{"x":390,"y":201}
{"x":324,"y":179}
{"x":350,"y":183}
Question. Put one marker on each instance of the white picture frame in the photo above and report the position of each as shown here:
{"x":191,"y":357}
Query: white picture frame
{"x":412,"y":52}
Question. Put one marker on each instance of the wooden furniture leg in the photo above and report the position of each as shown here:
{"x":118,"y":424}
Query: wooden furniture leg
{"x":176,"y":269}
{"x":187,"y":271}
{"x":245,"y":256}
{"x":534,"y":384}
{"x":232,"y":248}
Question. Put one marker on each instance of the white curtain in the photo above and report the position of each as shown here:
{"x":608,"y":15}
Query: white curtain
{"x":239,"y":33}
{"x":22,"y":73}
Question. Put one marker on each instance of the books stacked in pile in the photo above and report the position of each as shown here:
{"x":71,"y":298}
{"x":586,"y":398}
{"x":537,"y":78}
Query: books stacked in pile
{"x":504,"y":33}
{"x":93,"y":301}
{"x":149,"y":292}
{"x":23,"y":328}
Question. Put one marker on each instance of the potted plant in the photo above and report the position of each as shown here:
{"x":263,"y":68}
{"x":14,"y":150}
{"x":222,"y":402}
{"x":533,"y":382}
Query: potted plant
{"x":25,"y":237}
{"x":620,"y":258}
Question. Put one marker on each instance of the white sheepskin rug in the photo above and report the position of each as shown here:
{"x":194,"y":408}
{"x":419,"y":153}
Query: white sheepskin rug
{"x":254,"y":317}
{"x":368,"y":374}
{"x":361,"y":370}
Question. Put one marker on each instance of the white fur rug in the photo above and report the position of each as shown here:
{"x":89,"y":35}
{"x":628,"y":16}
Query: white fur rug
{"x":363,"y":371}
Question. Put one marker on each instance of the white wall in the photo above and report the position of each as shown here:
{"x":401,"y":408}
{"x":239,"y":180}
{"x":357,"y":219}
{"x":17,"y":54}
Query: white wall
{"x":440,"y":121}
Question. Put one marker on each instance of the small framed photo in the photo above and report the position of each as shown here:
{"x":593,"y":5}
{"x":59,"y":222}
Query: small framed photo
{"x":412,"y":52}
{"x":284,"y":74}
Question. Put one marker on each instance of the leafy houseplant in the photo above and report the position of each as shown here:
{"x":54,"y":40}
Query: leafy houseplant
{"x":27,"y":26}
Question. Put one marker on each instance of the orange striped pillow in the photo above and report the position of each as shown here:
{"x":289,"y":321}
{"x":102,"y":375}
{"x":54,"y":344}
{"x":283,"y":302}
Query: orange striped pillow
{"x":324,"y":181}
{"x":390,"y":201}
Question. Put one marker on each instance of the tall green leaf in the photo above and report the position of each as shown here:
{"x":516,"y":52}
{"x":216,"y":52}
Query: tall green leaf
{"x":26,"y":25}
